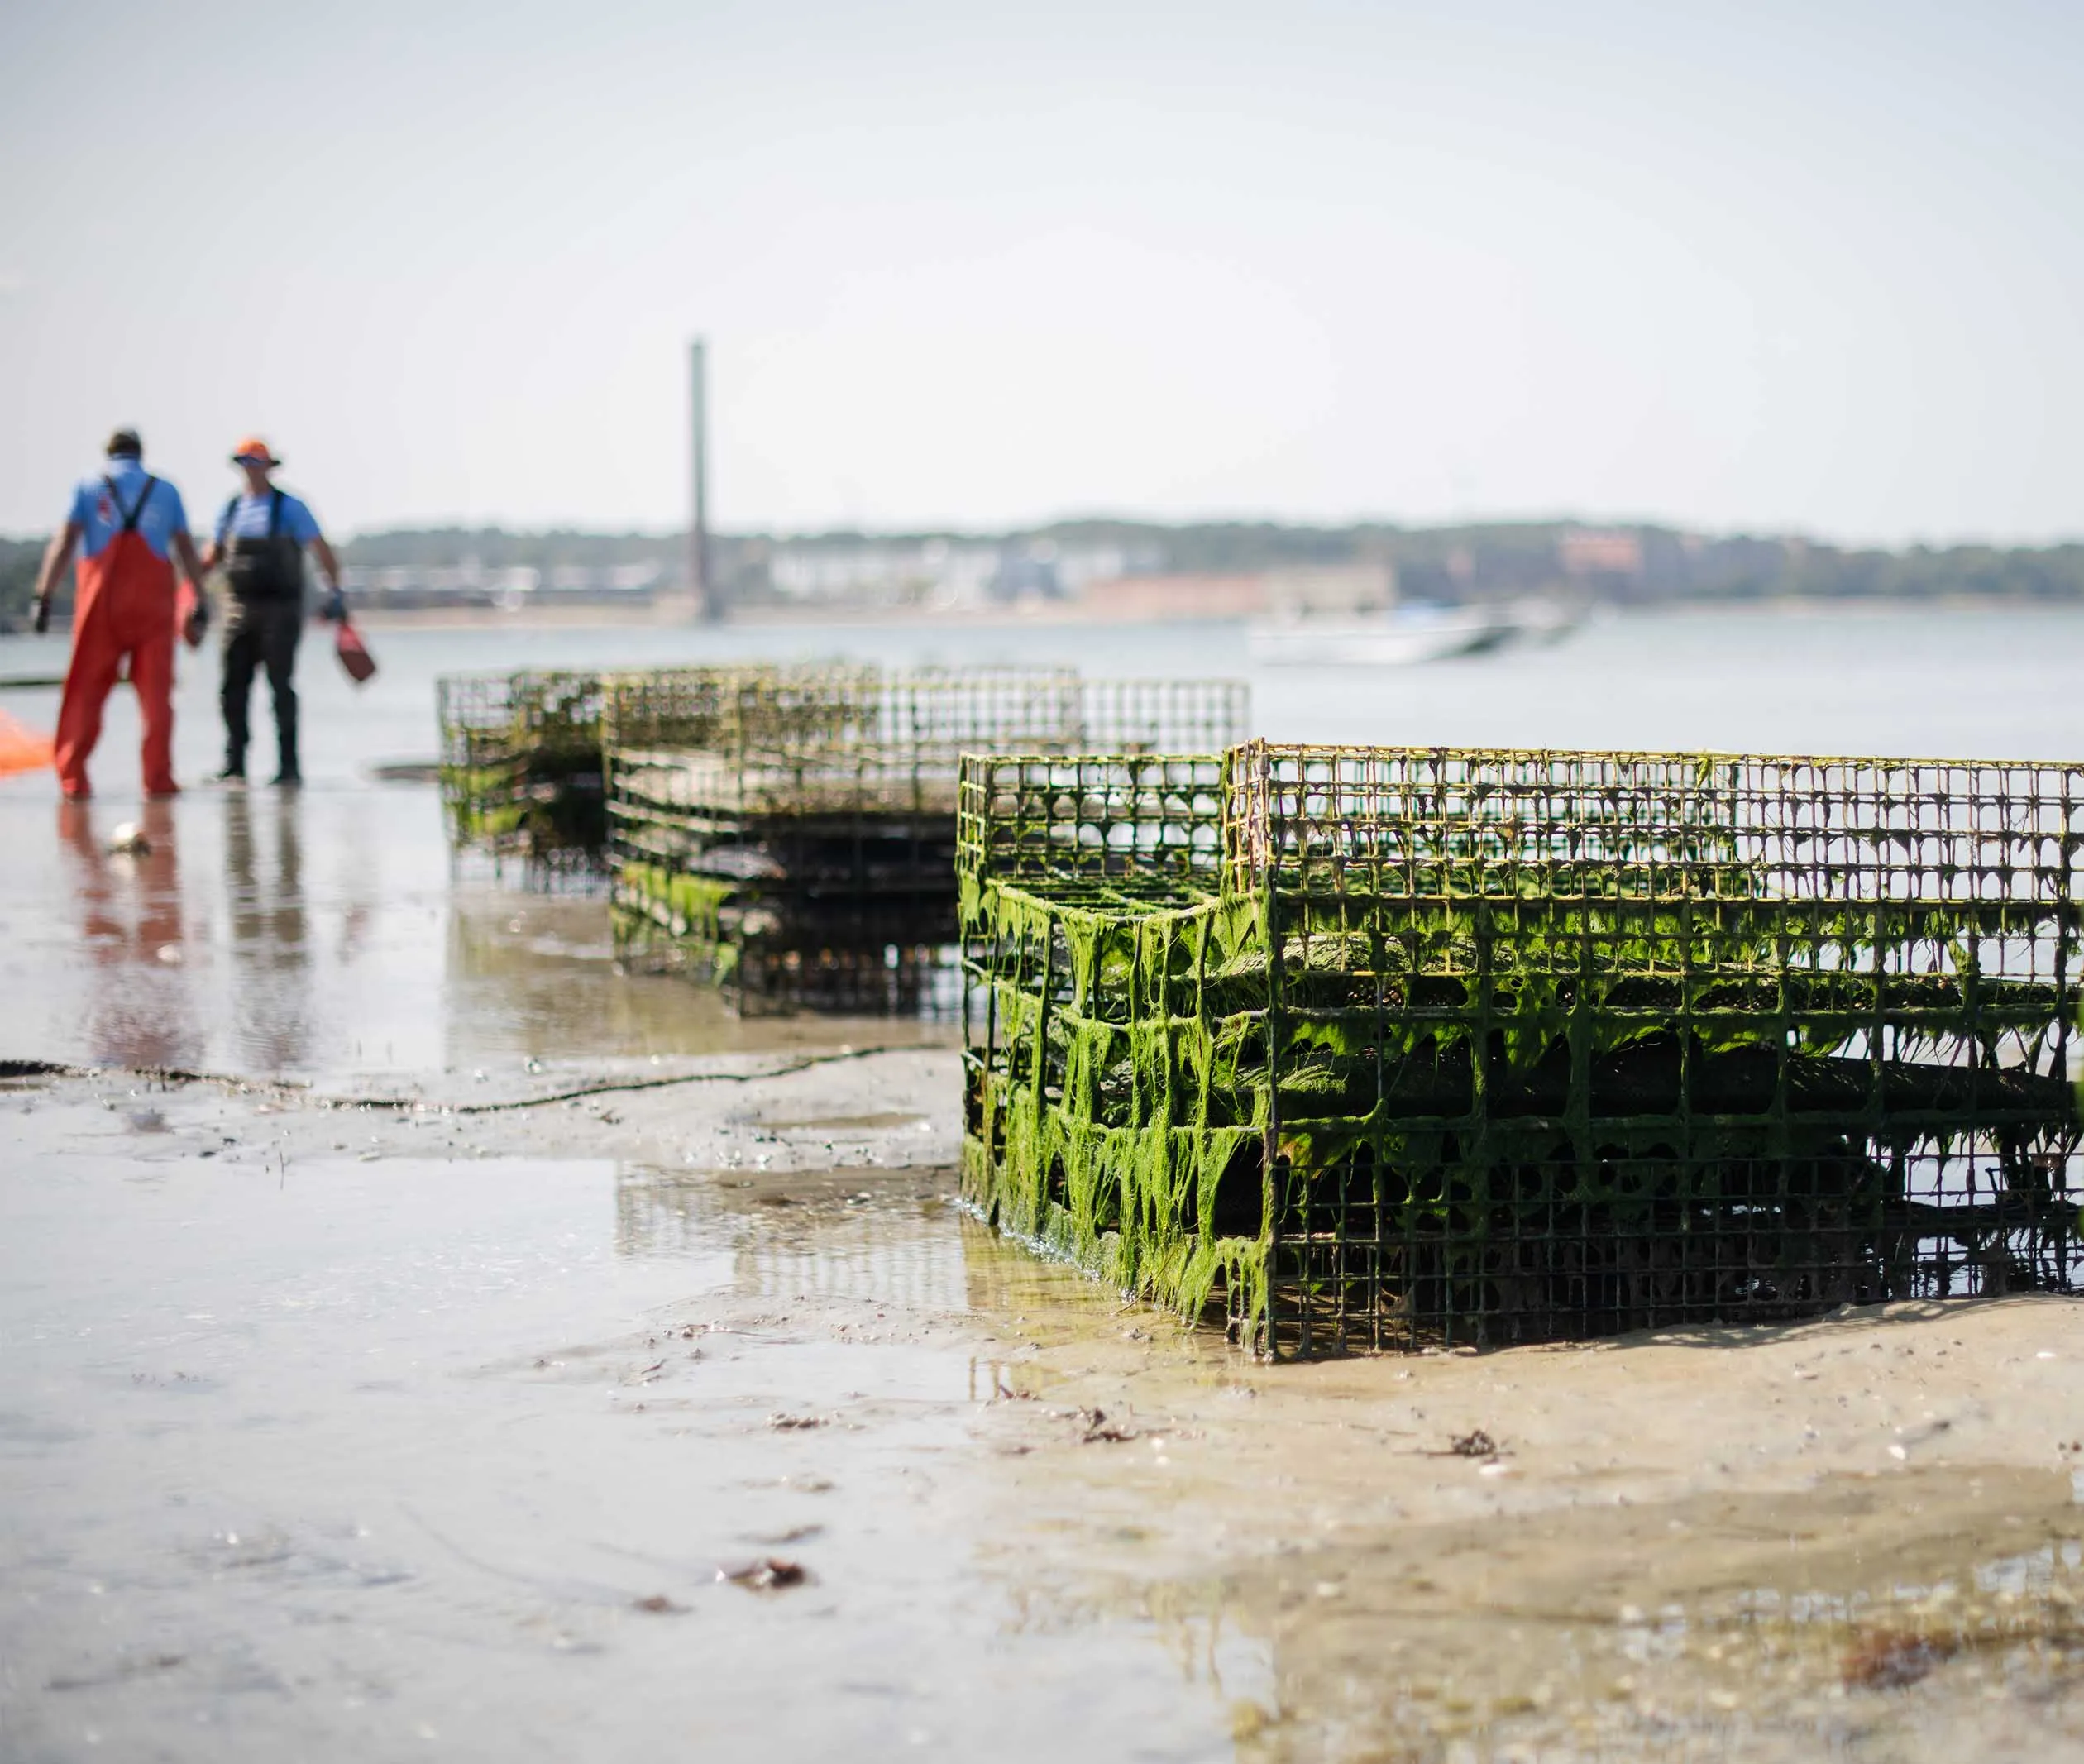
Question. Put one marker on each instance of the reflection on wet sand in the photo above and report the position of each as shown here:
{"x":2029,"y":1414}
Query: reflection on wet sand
{"x":809,"y":1236}
{"x":271,"y":1000}
{"x":139,"y":1009}
{"x":321,"y":933}
{"x":535,"y":974}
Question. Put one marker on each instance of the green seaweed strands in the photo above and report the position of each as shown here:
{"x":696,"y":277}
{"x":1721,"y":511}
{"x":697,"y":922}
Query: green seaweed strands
{"x":1397,"y":1045}
{"x":1107,"y":1132}
{"x":1102,"y":1092}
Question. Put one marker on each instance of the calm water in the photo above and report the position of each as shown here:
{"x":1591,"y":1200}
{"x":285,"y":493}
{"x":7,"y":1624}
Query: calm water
{"x":1941,"y":682}
{"x":330,"y":933}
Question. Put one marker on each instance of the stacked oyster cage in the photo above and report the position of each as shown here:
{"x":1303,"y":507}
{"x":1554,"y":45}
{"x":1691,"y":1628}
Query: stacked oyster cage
{"x":521,"y":766}
{"x":1370,"y":1047}
{"x":787,"y":831}
{"x":525,"y":754}
{"x":798,"y":848}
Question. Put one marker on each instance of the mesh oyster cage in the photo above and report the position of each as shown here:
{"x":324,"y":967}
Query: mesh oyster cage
{"x":521,"y":764}
{"x":1491,"y":1046}
{"x":523,"y":754}
{"x":669,"y":708}
{"x":812,"y":839}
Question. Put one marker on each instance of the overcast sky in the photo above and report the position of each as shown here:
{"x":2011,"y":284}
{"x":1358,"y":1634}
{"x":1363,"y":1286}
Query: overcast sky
{"x":1764,"y":265}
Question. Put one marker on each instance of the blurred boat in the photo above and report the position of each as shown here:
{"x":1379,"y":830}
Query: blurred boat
{"x":1403,"y":635}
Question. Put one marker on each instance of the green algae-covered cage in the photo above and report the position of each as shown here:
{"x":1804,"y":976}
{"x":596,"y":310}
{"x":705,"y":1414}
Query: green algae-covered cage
{"x":523,"y":753}
{"x":1367,"y":1048}
{"x":521,"y":770}
{"x":802,"y":850}
{"x":678,"y":708}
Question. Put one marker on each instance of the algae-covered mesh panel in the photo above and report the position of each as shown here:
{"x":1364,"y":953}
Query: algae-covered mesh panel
{"x":814,"y":743}
{"x":1564,"y":1043}
{"x":1134,"y":821}
{"x":685,"y":707}
{"x":807,"y":741}
{"x":524,"y":753}
{"x":521,"y":763}
{"x":836,"y":783}
{"x":1108,"y":994}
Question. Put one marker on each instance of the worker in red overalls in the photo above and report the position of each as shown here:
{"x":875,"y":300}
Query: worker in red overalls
{"x":125,"y":523}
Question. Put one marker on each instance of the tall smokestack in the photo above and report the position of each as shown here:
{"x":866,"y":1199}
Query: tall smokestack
{"x":698,"y":546}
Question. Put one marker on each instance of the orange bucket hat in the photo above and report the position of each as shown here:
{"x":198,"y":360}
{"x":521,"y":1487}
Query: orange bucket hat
{"x":254,"y":451}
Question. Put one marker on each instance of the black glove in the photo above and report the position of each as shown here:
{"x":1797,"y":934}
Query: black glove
{"x":43,"y":617}
{"x":335,"y":610}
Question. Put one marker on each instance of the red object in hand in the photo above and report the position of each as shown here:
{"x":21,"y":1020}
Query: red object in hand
{"x":191,"y":615}
{"x":354,"y":655}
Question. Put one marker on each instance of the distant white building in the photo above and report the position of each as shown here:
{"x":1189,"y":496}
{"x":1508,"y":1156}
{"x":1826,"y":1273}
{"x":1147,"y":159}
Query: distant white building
{"x":932,"y":570}
{"x":945,"y":573}
{"x":469,"y":581}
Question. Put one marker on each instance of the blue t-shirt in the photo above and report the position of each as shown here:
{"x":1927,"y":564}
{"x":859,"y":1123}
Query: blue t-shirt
{"x":246,"y":517}
{"x":100,"y":518}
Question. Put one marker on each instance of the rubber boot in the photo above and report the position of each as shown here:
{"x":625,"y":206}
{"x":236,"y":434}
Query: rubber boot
{"x":288,"y":772}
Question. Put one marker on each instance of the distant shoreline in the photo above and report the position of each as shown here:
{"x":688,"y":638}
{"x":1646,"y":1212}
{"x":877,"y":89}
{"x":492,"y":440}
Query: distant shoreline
{"x":593,"y":615}
{"x":1064,"y":614}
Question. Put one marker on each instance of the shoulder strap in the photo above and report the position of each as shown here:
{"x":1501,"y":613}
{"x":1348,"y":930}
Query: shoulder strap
{"x":274,"y":511}
{"x":144,"y":496}
{"x":224,"y":520}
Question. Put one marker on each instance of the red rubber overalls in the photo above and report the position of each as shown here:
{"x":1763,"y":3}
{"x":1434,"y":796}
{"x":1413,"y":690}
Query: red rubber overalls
{"x":126,"y":607}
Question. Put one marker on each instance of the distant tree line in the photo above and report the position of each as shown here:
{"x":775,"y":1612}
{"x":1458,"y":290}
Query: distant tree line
{"x":1641,"y":565}
{"x":1462,"y":563}
{"x":1496,"y":559}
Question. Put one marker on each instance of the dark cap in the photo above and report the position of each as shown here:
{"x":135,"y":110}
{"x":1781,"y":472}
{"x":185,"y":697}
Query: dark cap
{"x":124,"y":444}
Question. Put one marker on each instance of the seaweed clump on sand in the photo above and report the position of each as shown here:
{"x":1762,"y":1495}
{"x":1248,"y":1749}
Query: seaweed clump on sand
{"x":1367,"y":1048}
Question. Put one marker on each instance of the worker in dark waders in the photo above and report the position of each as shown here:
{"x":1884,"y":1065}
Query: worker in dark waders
{"x":124,"y":523}
{"x":260,"y":541}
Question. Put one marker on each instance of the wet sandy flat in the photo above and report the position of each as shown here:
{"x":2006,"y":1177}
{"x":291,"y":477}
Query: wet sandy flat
{"x":373,"y":1428}
{"x":521,"y":1359}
